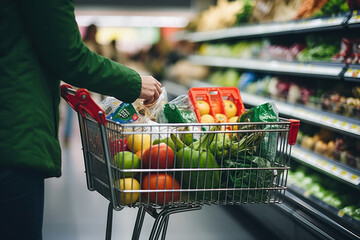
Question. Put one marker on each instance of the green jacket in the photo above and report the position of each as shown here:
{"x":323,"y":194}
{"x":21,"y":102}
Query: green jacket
{"x":40,"y":45}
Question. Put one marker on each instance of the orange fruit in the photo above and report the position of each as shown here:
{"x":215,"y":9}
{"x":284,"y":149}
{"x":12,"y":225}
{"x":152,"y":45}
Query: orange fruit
{"x":203,"y":107}
{"x":230,"y":108}
{"x":216,"y":107}
{"x":233,"y":120}
{"x":207,"y":119}
{"x":139,"y":153}
{"x":221,"y":118}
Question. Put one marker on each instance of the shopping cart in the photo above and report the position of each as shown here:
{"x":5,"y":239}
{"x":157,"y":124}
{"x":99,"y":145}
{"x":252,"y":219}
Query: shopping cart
{"x":221,"y":164}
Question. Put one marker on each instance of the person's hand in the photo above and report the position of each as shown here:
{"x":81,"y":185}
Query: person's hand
{"x":150,"y":89}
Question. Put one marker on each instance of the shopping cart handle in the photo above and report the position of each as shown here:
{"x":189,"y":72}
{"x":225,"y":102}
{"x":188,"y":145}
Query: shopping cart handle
{"x":293,"y":131}
{"x":81,"y":101}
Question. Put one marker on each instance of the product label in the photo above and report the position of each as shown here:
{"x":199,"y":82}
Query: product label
{"x":125,"y":113}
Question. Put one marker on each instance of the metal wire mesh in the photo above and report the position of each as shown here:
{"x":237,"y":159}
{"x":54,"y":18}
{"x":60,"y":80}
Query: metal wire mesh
{"x":223,"y":164}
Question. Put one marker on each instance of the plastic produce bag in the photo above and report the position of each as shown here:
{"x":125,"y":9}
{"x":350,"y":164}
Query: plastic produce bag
{"x":179,"y":110}
{"x":149,"y":112}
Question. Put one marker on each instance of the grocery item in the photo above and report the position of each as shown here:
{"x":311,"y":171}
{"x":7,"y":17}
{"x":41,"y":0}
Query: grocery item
{"x":109,"y":105}
{"x":126,"y":160}
{"x":207,"y":118}
{"x":179,"y":110}
{"x":203,"y":107}
{"x":138,"y":142}
{"x":159,"y":156}
{"x":216,"y":97}
{"x":197,"y":156}
{"x":266,"y":112}
{"x":128,"y":184}
{"x":124,"y":113}
{"x":222,"y":15}
{"x":275,"y":10}
{"x":221,"y":118}
{"x":118,"y":145}
{"x":149,"y":112}
{"x":160,"y":181}
{"x":230,"y":108}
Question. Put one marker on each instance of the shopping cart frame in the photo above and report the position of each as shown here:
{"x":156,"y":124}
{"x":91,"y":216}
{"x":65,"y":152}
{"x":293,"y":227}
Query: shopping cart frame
{"x":81,"y":101}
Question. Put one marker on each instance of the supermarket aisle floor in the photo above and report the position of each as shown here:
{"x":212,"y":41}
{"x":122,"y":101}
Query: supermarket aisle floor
{"x":74,"y":213}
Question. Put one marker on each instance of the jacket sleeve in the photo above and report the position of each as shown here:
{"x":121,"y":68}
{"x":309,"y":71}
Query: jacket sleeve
{"x":56,"y":39}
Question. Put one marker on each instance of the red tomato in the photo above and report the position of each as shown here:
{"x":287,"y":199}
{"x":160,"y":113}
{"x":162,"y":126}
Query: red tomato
{"x":159,"y":153}
{"x":158,"y":182}
{"x":118,"y":145}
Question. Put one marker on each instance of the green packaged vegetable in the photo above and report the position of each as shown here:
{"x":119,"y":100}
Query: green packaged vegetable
{"x":179,"y":110}
{"x":266,"y":112}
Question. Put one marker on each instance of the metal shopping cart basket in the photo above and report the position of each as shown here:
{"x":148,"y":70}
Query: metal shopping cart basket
{"x":180,"y":167}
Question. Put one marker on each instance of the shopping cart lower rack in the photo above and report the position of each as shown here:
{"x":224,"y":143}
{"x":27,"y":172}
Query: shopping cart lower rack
{"x":180,"y":167}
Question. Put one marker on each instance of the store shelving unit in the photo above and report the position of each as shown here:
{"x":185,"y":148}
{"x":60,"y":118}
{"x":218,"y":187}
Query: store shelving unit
{"x":327,"y":166}
{"x":269,"y":29}
{"x":352,"y":73}
{"x":320,"y":70}
{"x":340,"y":124}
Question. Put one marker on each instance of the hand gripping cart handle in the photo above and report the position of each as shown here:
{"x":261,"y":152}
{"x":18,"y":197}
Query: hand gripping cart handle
{"x":170,"y":168}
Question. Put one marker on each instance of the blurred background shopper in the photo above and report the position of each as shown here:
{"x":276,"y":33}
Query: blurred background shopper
{"x":40,"y":45}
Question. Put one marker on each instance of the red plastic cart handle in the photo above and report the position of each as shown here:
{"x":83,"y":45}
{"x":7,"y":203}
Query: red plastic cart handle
{"x":293,"y":131}
{"x":81,"y":102}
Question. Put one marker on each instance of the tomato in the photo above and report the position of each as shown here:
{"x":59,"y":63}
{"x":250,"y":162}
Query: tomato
{"x":118,"y":145}
{"x":158,"y":182}
{"x":159,"y":156}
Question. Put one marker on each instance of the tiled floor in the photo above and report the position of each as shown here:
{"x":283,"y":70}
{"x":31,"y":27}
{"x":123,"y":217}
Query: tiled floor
{"x":74,"y":213}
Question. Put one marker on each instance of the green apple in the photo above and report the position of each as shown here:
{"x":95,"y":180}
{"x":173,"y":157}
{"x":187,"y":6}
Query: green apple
{"x":126,"y":160}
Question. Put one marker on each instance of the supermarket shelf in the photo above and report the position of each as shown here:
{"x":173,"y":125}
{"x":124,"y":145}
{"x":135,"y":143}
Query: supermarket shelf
{"x":352,"y":73}
{"x":327,"y":166}
{"x":302,"y":198}
{"x":354,"y":21}
{"x":267,"y":29}
{"x":328,"y":120}
{"x":323,"y":70}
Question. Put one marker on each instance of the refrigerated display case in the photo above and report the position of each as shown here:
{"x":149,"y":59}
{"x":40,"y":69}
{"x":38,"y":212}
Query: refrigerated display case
{"x":304,"y":215}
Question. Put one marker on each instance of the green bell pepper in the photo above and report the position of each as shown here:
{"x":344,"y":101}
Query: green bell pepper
{"x":198,"y":156}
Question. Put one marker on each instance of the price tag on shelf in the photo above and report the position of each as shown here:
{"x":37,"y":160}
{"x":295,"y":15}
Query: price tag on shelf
{"x":352,"y":73}
{"x":355,"y":17}
{"x":340,"y":213}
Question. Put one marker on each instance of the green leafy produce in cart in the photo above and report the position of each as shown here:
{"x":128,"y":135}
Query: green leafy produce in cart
{"x":197,"y":156}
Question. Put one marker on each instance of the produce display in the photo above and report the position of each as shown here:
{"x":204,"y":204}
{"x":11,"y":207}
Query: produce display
{"x":330,"y":192}
{"x":222,"y":15}
{"x":144,"y":159}
{"x":342,"y":99}
{"x":227,"y":14}
{"x":328,"y":144}
{"x":312,"y":48}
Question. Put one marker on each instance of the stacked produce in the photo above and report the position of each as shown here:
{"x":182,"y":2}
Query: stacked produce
{"x":232,"y":13}
{"x":313,"y":48}
{"x":342,"y":99}
{"x":189,"y":162}
{"x":224,"y":14}
{"x":326,"y":143}
{"x":328,"y":191}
